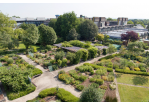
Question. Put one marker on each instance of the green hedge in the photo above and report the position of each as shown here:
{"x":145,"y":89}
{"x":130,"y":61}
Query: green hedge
{"x":109,"y":69}
{"x":109,"y":56}
{"x":99,"y":81}
{"x":80,"y":87}
{"x":93,"y":65}
{"x":36,"y":71}
{"x":47,"y":92}
{"x":66,"y":96}
{"x":132,"y":72}
{"x":13,"y":95}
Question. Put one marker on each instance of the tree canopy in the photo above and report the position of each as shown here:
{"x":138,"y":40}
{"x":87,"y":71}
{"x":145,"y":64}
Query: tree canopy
{"x":130,"y":36}
{"x":100,"y":37}
{"x":111,"y":49}
{"x":88,"y":30}
{"x":30,"y":35}
{"x":47,"y":35}
{"x":65,"y":23}
{"x":130,"y":22}
{"x":73,"y":35}
{"x":52,"y":23}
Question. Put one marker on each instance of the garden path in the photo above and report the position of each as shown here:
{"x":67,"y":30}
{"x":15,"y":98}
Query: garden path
{"x":117,"y":92}
{"x":132,"y":85}
{"x":50,"y":79}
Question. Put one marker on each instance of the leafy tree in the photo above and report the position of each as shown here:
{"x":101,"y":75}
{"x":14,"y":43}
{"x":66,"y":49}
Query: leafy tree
{"x":130,"y":36}
{"x":71,"y":57}
{"x":135,"y":48}
{"x":92,"y":52}
{"x":100,"y":37}
{"x":111,"y":49}
{"x":72,"y":35}
{"x":91,"y":94}
{"x":88,"y":30}
{"x":6,"y":25}
{"x":65,"y":23}
{"x":18,"y":33}
{"x":106,"y":38}
{"x":16,"y":16}
{"x":5,"y":39}
{"x":52,"y":23}
{"x":130,"y":22}
{"x":30,"y":36}
{"x":122,"y":50}
{"x":47,"y":35}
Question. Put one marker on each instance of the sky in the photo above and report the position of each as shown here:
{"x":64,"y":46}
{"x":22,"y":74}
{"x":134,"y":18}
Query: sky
{"x":132,"y":10}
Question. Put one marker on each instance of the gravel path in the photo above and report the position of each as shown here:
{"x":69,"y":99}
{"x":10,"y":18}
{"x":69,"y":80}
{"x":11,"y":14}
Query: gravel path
{"x":50,"y":79}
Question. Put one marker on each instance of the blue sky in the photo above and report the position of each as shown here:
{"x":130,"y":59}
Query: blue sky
{"x":49,"y":10}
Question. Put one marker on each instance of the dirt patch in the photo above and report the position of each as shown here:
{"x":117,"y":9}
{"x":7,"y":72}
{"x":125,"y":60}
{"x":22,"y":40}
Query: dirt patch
{"x":109,"y":92}
{"x":49,"y":98}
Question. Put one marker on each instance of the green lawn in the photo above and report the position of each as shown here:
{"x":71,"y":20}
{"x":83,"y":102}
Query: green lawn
{"x":133,"y":94}
{"x":133,"y":79}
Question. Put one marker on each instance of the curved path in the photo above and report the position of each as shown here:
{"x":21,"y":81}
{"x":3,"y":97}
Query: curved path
{"x":50,"y":79}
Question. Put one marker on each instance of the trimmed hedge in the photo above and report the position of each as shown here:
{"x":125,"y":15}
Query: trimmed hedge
{"x":80,"y":87}
{"x":99,"y":81}
{"x":66,"y":96}
{"x":95,"y":85}
{"x":109,"y":56}
{"x":36,"y":71}
{"x":61,"y":93}
{"x":132,"y":72}
{"x":109,"y":69}
{"x":93,"y":65}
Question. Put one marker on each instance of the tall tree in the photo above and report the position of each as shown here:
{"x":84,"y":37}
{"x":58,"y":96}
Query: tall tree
{"x":52,"y":23}
{"x":65,"y":23}
{"x":88,"y":30}
{"x":130,"y":36}
{"x":47,"y":35}
{"x":30,"y":36}
{"x":73,"y":35}
{"x":130,"y":22}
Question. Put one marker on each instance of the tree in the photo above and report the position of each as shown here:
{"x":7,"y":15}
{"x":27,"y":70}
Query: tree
{"x":106,"y":38}
{"x":130,"y":36}
{"x":135,"y":48}
{"x":18,"y":33}
{"x":52,"y":23}
{"x":122,"y":50}
{"x":100,"y":37}
{"x":130,"y":22}
{"x":73,"y":35}
{"x":111,"y":49}
{"x":88,"y":30}
{"x":30,"y":36}
{"x":91,"y":94}
{"x":16,"y":16}
{"x":5,"y":39}
{"x":47,"y":35}
{"x":65,"y":23}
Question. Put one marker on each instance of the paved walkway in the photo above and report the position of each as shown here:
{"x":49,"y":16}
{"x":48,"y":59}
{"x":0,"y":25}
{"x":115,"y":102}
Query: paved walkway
{"x":133,"y":85}
{"x":117,"y":92}
{"x":50,"y":79}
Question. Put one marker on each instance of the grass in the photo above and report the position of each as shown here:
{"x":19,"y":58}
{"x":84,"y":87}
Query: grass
{"x":133,"y":94}
{"x":133,"y":79}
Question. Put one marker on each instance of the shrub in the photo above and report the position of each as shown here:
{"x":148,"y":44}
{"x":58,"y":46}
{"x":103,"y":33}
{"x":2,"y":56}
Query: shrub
{"x":59,"y":55}
{"x":99,"y":81}
{"x":80,"y":87}
{"x":92,"y":79}
{"x":78,"y":56}
{"x":98,"y":52}
{"x":110,"y":66}
{"x":46,"y":63}
{"x":84,"y":68}
{"x":71,"y":56}
{"x":102,"y":71}
{"x":110,"y":78}
{"x":82,"y":78}
{"x":42,"y":51}
{"x":115,"y":66}
{"x":36,"y":71}
{"x":143,"y":69}
{"x":66,"y":96}
{"x":64,"y":62}
{"x":104,"y":78}
{"x":48,"y":58}
{"x":92,"y":52}
{"x":10,"y":61}
{"x":97,"y":77}
{"x":100,"y":63}
{"x":61,"y":72}
{"x":49,"y":47}
{"x":110,"y":99}
{"x":66,"y":45}
{"x":59,"y":63}
{"x":136,"y":69}
{"x":103,"y":87}
{"x":52,"y":61}
{"x":76,"y":43}
{"x":109,"y":56}
{"x":109,"y":69}
{"x":34,"y":49}
{"x":91,"y":94}
{"x":84,"y":54}
{"x":46,"y":50}
{"x":93,"y":65}
{"x":69,"y":80}
{"x":112,"y":86}
{"x":92,"y":72}
{"x":55,"y":67}
{"x":95,"y":85}
{"x":3,"y":60}
{"x":47,"y":92}
{"x":75,"y":76}
{"x":104,"y":51}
